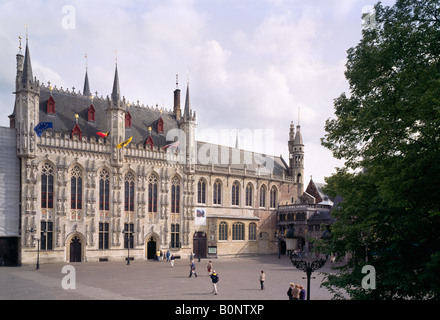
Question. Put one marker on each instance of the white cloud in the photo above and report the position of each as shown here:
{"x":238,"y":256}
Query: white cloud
{"x":277,"y":57}
{"x":209,"y":61}
{"x":46,"y":74}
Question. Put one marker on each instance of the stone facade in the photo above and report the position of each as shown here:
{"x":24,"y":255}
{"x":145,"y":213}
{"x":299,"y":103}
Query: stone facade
{"x":85,"y":199}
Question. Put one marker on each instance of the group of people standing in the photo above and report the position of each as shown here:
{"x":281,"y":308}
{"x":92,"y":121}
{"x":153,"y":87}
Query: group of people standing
{"x":296,"y":292}
{"x":164,"y":256}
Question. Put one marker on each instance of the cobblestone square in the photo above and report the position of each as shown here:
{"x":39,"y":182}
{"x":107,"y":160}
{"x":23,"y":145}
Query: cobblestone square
{"x":157,"y":280}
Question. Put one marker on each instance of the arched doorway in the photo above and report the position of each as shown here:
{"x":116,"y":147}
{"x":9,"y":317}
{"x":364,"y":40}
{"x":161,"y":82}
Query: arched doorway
{"x":283,"y":247}
{"x":75,"y":249}
{"x":151,"y":248}
{"x":199,"y":244}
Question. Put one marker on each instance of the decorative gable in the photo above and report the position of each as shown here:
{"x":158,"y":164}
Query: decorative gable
{"x":128,"y":120}
{"x":149,"y":142}
{"x":91,"y":113}
{"x":76,"y":131}
{"x":50,"y":106}
{"x":160,"y":125}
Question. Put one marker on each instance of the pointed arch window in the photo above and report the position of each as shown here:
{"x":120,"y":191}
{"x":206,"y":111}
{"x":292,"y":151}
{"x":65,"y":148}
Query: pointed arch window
{"x":91,"y":113}
{"x":50,"y":106}
{"x":129,"y":192}
{"x":235,"y":193}
{"x":128,"y":120}
{"x":263,"y":196}
{"x":273,"y":197}
{"x":104,"y":190}
{"x":175,"y":195}
{"x":201,"y":191}
{"x":249,"y":193}
{"x":217,"y":192}
{"x":76,"y":188}
{"x":47,"y":187}
{"x":152,"y":193}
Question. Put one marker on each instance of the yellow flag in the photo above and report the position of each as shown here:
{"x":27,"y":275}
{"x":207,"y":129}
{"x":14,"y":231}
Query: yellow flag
{"x":123,"y":144}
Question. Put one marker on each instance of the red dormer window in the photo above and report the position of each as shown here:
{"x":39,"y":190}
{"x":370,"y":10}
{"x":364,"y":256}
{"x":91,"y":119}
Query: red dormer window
{"x":91,"y":113}
{"x":50,"y":106}
{"x":76,"y":131}
{"x":149,"y":142}
{"x":128,"y":120}
{"x":160,"y":125}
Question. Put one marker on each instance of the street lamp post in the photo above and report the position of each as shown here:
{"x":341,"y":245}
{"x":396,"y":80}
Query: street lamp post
{"x":38,"y":254}
{"x":129,"y":234}
{"x":309,"y":267}
{"x":33,"y":231}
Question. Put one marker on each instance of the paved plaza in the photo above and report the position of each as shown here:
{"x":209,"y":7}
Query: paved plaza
{"x":157,"y":280}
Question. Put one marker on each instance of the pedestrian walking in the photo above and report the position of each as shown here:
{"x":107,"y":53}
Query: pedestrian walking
{"x":192,"y":270}
{"x":172,"y":260}
{"x":168,"y":255}
{"x":295,"y":292}
{"x":302,"y":293}
{"x":262,"y":279}
{"x":209,"y":267}
{"x":158,"y":255}
{"x":214,"y":279}
{"x":289,"y":292}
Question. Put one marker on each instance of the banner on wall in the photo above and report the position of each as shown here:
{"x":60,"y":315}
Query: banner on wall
{"x":200,"y":217}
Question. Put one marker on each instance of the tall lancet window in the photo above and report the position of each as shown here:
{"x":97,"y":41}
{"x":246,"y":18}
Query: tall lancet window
{"x":263,"y":196}
{"x":175,"y":195}
{"x":217,"y":192}
{"x":235,"y":193}
{"x":249,"y":192}
{"x":76,"y":193}
{"x":152,"y":193}
{"x":46,"y":230}
{"x":47,"y":187}
{"x":201,"y":191}
{"x":273,"y":197}
{"x":129,"y":192}
{"x":104,"y":190}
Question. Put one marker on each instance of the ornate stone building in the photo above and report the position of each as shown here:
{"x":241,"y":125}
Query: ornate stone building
{"x":85,"y":198}
{"x":309,"y":215}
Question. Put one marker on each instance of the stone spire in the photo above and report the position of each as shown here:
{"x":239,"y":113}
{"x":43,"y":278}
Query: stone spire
{"x":116,"y":92}
{"x":86,"y":90}
{"x":27,"y":76}
{"x":187,"y":112}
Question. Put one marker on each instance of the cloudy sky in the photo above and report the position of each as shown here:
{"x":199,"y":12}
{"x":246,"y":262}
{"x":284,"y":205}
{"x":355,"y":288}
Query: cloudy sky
{"x":251,"y":64}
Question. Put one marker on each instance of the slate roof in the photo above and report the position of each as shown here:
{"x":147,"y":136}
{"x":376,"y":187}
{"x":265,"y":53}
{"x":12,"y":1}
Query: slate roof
{"x":252,"y":160}
{"x":68,"y":104}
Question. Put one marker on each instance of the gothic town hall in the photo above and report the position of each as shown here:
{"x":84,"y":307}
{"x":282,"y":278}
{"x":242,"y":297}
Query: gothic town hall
{"x":101,"y":177}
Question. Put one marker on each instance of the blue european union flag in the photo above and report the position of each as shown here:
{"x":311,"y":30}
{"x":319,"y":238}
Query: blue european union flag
{"x":39,"y":128}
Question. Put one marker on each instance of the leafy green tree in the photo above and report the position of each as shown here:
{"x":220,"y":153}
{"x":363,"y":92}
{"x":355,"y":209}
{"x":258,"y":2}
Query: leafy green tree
{"x":387,"y":129}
